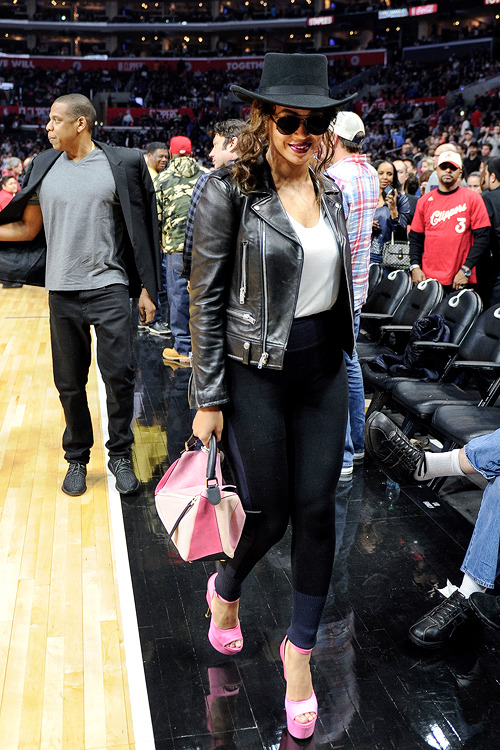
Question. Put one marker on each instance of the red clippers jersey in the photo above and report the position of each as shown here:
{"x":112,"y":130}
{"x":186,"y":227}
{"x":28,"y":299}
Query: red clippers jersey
{"x":447,"y":220}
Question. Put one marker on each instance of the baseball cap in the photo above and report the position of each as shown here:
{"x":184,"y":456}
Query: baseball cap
{"x":180,"y":145}
{"x":450,"y":157}
{"x":349,"y":125}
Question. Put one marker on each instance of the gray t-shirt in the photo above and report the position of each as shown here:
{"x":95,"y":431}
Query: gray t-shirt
{"x":83,"y":224}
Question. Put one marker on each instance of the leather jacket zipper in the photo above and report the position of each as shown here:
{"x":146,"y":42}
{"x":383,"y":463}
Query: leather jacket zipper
{"x":245,"y":316}
{"x":243,"y":285}
{"x":264,"y":356}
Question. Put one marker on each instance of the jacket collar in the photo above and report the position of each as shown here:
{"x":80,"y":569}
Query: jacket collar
{"x":265,"y":181}
{"x":111,"y":152}
{"x":268,"y":206}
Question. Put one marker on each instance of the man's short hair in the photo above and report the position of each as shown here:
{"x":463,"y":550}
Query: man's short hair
{"x":408,"y":158}
{"x":12,"y":162}
{"x":473,"y":143}
{"x":412,"y":184}
{"x":229,"y":129}
{"x":494,"y":166}
{"x":6,"y":178}
{"x":154,"y":146}
{"x":79,"y":106}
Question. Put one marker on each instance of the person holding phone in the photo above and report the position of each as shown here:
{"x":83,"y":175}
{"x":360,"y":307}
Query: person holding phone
{"x":392,"y":212}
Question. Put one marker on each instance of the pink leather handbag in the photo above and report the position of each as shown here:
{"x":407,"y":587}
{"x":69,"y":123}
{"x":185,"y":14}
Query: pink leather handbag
{"x":203,"y":518}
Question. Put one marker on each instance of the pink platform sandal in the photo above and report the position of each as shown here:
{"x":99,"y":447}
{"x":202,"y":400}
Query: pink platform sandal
{"x":217,"y":637}
{"x":298,"y":729}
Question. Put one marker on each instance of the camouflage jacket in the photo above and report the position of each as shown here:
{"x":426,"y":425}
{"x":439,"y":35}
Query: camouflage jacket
{"x":173,"y":194}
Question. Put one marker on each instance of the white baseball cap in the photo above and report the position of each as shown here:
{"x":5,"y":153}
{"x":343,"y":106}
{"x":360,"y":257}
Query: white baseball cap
{"x":350,"y":126}
{"x":450,"y":157}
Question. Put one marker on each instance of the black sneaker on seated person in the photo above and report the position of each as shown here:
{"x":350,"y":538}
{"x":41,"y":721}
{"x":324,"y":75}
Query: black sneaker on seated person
{"x":126,"y":481}
{"x":392,"y":450}
{"x":435,"y":627}
{"x":74,"y":482}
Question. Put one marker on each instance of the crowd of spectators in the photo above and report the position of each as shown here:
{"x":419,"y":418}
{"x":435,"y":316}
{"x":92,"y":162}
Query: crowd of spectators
{"x":394,"y":123}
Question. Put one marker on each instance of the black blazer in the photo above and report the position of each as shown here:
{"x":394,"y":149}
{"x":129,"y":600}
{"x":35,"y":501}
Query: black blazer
{"x":25,"y":261}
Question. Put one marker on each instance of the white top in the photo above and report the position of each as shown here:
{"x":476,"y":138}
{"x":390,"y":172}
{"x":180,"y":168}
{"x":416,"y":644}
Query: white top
{"x":322,"y":268}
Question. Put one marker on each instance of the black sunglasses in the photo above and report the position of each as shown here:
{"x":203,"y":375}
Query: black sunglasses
{"x":314,"y":124}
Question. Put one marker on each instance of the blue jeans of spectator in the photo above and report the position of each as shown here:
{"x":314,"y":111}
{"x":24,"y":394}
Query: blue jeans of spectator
{"x":71,"y":315}
{"x":354,"y":437}
{"x":482,"y":560}
{"x":161,"y":314}
{"x":178,"y":303}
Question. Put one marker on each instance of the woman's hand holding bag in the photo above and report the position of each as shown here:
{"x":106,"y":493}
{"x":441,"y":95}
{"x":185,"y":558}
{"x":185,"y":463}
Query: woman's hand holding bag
{"x":203,"y":518}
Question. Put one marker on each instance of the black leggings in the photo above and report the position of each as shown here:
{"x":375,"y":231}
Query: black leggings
{"x":284,"y":439}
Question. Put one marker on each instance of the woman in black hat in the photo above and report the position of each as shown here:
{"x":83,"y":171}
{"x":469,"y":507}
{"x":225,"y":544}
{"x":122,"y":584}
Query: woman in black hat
{"x":271,"y":313}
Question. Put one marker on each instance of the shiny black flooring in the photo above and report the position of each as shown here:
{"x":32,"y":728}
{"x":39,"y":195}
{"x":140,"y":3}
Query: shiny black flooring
{"x":376,"y":691}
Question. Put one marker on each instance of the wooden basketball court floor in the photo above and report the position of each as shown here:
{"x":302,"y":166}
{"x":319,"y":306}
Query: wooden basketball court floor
{"x":71,"y":672}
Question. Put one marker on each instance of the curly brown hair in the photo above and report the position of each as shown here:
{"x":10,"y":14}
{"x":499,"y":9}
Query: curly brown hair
{"x":254,"y":141}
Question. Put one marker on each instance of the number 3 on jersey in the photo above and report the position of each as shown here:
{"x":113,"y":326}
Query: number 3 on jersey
{"x":460,"y":225}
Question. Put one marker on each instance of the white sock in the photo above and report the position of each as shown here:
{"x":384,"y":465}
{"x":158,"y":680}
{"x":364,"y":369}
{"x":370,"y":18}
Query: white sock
{"x":441,"y":465}
{"x":469,"y":586}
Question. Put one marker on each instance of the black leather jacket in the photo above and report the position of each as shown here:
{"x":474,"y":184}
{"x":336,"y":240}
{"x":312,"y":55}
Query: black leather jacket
{"x":247,"y":264}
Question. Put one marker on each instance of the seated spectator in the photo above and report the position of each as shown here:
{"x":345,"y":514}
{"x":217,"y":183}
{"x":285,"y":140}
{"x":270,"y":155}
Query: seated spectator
{"x":423,"y":179}
{"x":413,"y":194}
{"x":402,"y":171}
{"x":486,"y":150}
{"x":14,"y":168}
{"x":8,"y":191}
{"x":410,"y":165}
{"x":472,"y":161}
{"x":493,"y":139}
{"x":404,"y":463}
{"x":426,"y":166}
{"x":474,"y":182}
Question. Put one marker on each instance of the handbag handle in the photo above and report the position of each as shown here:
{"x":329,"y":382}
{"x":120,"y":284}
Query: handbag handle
{"x":213,"y":491}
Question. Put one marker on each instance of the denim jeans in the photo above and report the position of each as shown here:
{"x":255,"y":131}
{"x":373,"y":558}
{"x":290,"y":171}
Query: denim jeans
{"x":482,"y":560}
{"x":71,"y":315}
{"x":354,"y":437}
{"x":178,"y":303}
{"x":161,"y":314}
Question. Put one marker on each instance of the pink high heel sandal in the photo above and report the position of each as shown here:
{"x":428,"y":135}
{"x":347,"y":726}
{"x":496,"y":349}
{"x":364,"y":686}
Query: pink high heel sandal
{"x":298,"y":729}
{"x":217,"y":637}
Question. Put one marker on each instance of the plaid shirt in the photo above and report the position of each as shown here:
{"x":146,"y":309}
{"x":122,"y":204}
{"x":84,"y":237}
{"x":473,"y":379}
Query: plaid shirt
{"x":188,"y":239}
{"x":360,"y":189}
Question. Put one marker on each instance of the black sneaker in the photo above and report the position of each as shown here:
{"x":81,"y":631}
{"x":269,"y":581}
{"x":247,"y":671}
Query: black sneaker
{"x":74,"y":482}
{"x":434,"y":628}
{"x":392,"y":450}
{"x":126,"y":481}
{"x":158,"y":329}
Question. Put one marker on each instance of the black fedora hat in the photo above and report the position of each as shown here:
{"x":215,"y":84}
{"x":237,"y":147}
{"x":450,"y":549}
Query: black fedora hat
{"x":293,"y":80}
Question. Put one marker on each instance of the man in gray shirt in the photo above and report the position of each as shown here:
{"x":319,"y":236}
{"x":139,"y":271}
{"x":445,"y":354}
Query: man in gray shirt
{"x":97,"y":207}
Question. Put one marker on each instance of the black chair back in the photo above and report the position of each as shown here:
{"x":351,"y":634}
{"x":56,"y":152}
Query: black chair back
{"x":375,"y":276}
{"x":418,"y":303}
{"x":388,"y":294}
{"x":460,"y":310}
{"x":482,"y":343}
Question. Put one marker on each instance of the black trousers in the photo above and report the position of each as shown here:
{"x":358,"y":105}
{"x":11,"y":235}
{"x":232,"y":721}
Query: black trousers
{"x":284,"y":439}
{"x":71,"y":315}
